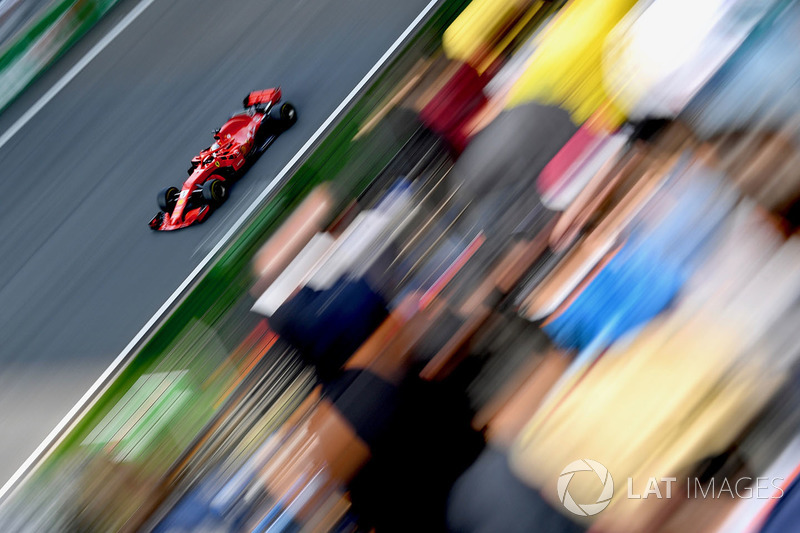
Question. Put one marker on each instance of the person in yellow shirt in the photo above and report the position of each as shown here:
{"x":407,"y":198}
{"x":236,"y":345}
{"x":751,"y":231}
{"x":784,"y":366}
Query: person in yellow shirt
{"x":566,"y":68}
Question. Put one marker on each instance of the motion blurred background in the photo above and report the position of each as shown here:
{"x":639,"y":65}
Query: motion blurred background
{"x":535,"y":272}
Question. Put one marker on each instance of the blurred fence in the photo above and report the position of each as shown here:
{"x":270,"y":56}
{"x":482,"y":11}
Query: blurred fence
{"x":43,"y":37}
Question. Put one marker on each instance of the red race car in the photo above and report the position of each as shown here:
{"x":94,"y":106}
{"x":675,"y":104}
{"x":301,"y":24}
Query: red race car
{"x":243,"y":138}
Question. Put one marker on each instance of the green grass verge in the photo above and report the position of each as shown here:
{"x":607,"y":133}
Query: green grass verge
{"x":77,"y":18}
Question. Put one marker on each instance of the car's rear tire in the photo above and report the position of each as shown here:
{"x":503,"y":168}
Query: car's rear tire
{"x":167,"y":199}
{"x":288,"y":115}
{"x":215,"y":191}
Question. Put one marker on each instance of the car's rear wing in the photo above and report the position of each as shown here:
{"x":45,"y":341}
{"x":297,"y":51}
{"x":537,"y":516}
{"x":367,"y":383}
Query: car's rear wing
{"x":267,"y":96}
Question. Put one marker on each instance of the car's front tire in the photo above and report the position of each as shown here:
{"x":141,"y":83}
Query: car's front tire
{"x":167,"y":199}
{"x":215,"y":191}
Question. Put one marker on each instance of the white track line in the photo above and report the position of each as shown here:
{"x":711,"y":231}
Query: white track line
{"x":71,"y":73}
{"x":66,"y":424}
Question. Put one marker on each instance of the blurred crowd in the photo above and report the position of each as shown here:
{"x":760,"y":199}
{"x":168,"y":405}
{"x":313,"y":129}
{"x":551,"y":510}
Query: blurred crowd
{"x":586,"y":252}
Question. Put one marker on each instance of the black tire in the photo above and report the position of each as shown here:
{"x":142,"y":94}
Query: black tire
{"x":167,"y":199}
{"x":288,"y":115}
{"x":196,"y":196}
{"x":215,"y":191}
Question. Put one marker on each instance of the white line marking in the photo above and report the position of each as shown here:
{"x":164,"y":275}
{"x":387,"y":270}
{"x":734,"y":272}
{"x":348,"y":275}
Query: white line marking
{"x":132,"y":15}
{"x":98,"y":387}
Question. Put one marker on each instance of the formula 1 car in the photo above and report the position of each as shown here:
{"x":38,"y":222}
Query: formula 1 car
{"x":237,"y":144}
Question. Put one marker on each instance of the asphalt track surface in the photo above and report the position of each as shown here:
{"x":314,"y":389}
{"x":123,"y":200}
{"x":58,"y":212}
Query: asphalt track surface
{"x":80,"y":271}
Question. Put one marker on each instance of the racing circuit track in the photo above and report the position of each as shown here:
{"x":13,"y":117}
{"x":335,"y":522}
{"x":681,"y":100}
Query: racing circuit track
{"x":80,"y":272}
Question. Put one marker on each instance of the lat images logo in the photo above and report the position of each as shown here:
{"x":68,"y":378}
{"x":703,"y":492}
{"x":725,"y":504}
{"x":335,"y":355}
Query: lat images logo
{"x":585,"y":509}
